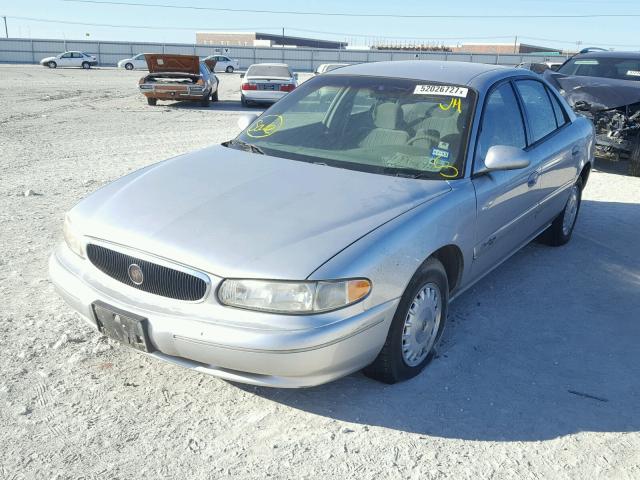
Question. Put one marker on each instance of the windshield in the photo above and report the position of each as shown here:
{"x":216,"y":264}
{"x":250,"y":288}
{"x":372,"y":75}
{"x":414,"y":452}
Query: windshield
{"x":380,"y":125}
{"x":606,"y":67}
{"x":268,"y":71}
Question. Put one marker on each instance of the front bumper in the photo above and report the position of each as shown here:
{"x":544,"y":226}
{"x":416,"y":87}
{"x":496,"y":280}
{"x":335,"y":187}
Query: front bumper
{"x":190,"y":335}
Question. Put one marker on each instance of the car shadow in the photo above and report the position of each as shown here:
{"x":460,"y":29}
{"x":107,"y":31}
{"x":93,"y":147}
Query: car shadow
{"x":544,"y":346}
{"x":620,"y":167}
{"x":231,"y":106}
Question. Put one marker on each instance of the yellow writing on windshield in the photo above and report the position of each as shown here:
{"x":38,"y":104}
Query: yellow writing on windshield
{"x":455,"y":103}
{"x":265,"y":126}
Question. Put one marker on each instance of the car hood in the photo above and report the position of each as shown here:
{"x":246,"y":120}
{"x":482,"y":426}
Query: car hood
{"x":600,"y":93}
{"x":160,"y":63}
{"x":237,"y":214}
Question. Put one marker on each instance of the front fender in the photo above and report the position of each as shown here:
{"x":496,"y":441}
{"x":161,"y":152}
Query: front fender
{"x":391,"y":254}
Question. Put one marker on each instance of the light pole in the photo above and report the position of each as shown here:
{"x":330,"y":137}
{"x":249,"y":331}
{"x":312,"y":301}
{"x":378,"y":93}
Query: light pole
{"x":6,"y":31}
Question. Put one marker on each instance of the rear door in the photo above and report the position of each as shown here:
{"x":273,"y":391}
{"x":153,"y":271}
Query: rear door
{"x":506,"y":201}
{"x":76,"y":59}
{"x":555,"y":146}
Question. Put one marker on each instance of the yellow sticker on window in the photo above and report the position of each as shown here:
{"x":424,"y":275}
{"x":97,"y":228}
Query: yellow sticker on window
{"x":266,"y":126}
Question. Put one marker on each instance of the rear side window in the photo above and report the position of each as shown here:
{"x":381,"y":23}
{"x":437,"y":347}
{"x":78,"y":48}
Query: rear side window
{"x":501,"y":121}
{"x":538,"y":109}
{"x":561,"y":118}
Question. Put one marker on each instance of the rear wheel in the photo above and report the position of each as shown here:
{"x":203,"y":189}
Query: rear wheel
{"x":229,"y":69}
{"x":243,"y":101}
{"x":129,"y":66}
{"x":52,"y":65}
{"x":559,"y":233}
{"x":416,"y":328}
{"x":86,"y":65}
{"x":634,"y":159}
{"x":152,"y":101}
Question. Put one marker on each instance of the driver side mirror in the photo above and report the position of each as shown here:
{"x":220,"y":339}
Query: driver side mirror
{"x":504,"y":157}
{"x":245,"y":120}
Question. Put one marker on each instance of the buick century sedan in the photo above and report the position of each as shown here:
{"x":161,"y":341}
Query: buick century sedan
{"x":332,"y":233}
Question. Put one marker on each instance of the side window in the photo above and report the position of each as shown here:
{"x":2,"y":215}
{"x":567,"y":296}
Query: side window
{"x":501,"y":122}
{"x":537,"y":107}
{"x":66,"y":55}
{"x":561,"y":118}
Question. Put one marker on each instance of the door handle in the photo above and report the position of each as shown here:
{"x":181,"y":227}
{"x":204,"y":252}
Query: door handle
{"x":533,"y":179}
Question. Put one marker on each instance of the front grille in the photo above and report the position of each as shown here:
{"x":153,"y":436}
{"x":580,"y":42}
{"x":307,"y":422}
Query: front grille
{"x":158,"y":279}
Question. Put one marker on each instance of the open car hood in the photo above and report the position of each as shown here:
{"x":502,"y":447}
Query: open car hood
{"x":159,"y":63}
{"x":600,"y":93}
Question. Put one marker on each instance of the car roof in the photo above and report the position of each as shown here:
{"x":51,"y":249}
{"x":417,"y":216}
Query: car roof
{"x":600,"y":54}
{"x":269,"y":65}
{"x":460,"y":73}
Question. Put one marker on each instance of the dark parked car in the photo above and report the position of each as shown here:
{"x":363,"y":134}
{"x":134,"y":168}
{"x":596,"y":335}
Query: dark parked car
{"x":605,"y":87}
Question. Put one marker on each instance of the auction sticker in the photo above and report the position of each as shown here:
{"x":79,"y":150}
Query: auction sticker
{"x":446,"y":90}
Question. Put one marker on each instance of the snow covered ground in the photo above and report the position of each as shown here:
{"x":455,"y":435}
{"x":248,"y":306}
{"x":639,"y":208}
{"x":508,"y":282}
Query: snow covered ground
{"x":538,"y":375}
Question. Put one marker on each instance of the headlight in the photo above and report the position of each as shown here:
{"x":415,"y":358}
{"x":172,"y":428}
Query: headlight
{"x":73,"y":238}
{"x":292,"y":297}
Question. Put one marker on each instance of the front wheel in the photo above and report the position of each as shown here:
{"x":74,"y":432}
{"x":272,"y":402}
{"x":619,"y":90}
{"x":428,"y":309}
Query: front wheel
{"x":229,"y":69}
{"x":205,"y":102}
{"x":560,"y":231}
{"x":52,"y":65}
{"x":416,"y":327}
{"x":634,"y":159}
{"x":214,"y":96}
{"x":152,"y":101}
{"x":86,"y":65}
{"x":129,"y":66}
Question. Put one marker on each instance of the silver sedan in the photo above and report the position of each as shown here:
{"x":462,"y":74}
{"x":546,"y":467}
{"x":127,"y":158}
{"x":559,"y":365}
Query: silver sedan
{"x":332,"y":233}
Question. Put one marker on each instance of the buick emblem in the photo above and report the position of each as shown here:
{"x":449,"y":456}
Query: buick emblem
{"x":135,"y":274}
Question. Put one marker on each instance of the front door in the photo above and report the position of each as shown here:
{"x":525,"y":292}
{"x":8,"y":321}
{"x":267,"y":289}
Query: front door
{"x":505,"y":200}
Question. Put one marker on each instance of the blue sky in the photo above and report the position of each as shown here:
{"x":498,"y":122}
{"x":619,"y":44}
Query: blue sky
{"x":620,"y":33}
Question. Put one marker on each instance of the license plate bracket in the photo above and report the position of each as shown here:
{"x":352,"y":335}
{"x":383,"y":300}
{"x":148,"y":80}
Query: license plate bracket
{"x":125,"y":327}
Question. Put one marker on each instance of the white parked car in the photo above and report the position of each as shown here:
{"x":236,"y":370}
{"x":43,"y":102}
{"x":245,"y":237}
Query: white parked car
{"x":137,"y":62}
{"x":70,"y":59}
{"x":267,"y":83}
{"x":224,"y":63}
{"x":327,"y":67}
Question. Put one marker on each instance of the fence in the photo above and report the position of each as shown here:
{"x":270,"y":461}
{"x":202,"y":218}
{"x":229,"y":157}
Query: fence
{"x":19,"y":50}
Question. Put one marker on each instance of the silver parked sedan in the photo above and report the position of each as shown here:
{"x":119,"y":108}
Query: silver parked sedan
{"x":332,"y":233}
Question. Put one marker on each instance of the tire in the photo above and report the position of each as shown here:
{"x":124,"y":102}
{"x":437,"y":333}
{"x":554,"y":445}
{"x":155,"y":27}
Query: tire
{"x":206,"y":101}
{"x":214,"y":96}
{"x":634,"y":159}
{"x":128,"y":66}
{"x":395,"y":362}
{"x":559,"y":232}
{"x":243,"y":101}
{"x":52,"y":64}
{"x":86,"y":65}
{"x":229,"y":69}
{"x":152,"y":101}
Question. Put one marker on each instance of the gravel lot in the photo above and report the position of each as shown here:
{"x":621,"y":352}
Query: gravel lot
{"x":538,"y":375}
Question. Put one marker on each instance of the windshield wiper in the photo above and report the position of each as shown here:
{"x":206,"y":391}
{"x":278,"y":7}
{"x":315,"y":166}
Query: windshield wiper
{"x":248,"y":147}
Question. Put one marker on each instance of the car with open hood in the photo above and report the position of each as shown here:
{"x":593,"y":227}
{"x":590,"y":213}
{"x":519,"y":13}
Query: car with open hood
{"x":179,"y":77}
{"x":70,"y":59}
{"x":331,"y":234}
{"x":604,"y":86}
